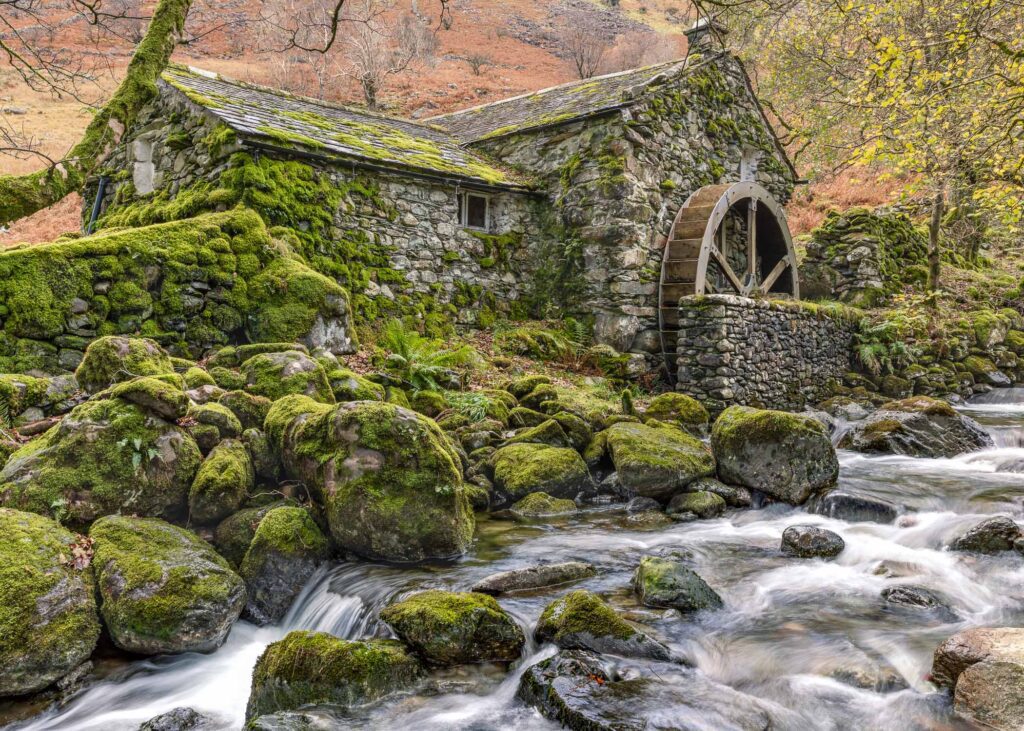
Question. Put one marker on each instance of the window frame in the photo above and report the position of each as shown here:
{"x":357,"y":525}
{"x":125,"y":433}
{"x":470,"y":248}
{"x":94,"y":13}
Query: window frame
{"x":463,"y":203}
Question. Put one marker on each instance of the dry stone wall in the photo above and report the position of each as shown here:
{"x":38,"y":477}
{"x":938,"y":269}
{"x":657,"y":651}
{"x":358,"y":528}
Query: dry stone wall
{"x":782,"y":355}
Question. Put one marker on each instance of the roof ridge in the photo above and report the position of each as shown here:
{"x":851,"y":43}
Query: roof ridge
{"x":565,"y":85}
{"x":216,"y":76}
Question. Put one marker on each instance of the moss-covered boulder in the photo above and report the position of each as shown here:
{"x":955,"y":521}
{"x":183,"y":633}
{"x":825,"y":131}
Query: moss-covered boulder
{"x":275,"y":375}
{"x":667,"y":582}
{"x":234,"y":534}
{"x":315,"y":668}
{"x":454,"y":628}
{"x":542,"y":505}
{"x":700,"y":504}
{"x":429,"y":403}
{"x":787,"y":456}
{"x":250,"y":409}
{"x":222,"y":484}
{"x":582,"y":620}
{"x":390,"y":481}
{"x":285,"y":550}
{"x":521,"y":469}
{"x":196,"y":377}
{"x":985,"y":371}
{"x":521,"y":417}
{"x":916,"y":427}
{"x":520,"y":387}
{"x":48,"y":621}
{"x":18,"y":392}
{"x":680,"y":409}
{"x":348,"y":385}
{"x":656,"y":461}
{"x":115,"y":358}
{"x":265,"y":460}
{"x":549,"y":432}
{"x":158,"y":397}
{"x":162,"y":588}
{"x":106,"y":456}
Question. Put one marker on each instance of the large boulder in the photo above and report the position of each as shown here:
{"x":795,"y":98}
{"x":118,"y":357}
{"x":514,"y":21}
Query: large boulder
{"x":315,"y":668}
{"x":577,"y":690}
{"x":531,"y":578}
{"x":810,"y":541}
{"x":285,"y":551}
{"x":116,"y":358}
{"x":106,"y":456}
{"x":389,"y":479}
{"x":454,"y":628}
{"x":991,"y":693}
{"x":581,"y":620}
{"x":275,"y":375}
{"x":48,"y":621}
{"x":656,"y":461}
{"x":971,"y":646}
{"x":786,"y":456}
{"x":667,"y":582}
{"x":162,"y":588}
{"x":222,"y":484}
{"x":917,"y":427}
{"x":522,"y":469}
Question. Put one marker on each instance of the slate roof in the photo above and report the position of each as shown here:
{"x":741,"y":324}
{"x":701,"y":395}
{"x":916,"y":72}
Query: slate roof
{"x":280,"y":119}
{"x":559,"y":104}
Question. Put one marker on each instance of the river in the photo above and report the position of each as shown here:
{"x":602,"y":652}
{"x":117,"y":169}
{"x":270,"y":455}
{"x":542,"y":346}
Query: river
{"x":801,"y":635}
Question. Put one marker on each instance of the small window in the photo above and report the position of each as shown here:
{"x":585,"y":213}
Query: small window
{"x":475,"y":211}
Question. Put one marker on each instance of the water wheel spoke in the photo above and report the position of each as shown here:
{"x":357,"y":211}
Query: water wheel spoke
{"x":751,"y":245}
{"x":724,"y":264}
{"x":781,"y":267}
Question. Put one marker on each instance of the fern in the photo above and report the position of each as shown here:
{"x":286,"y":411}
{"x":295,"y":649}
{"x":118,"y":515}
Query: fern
{"x":474,"y":406}
{"x":425,"y":364}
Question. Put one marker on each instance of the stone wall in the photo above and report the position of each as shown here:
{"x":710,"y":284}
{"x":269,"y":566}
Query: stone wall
{"x":616,"y":184}
{"x":782,"y":355}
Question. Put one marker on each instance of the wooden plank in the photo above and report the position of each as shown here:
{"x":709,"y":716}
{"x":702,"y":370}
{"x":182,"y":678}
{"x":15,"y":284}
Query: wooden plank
{"x":727,"y":269}
{"x":681,"y":270}
{"x":774,"y":275}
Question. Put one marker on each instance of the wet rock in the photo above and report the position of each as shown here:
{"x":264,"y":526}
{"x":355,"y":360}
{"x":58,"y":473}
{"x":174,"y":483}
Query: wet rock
{"x":162,"y":589}
{"x":532,"y":578}
{"x":642,"y":504}
{"x":808,"y":541}
{"x":180,"y":719}
{"x":919,"y":598}
{"x":521,"y":469}
{"x":786,"y":456}
{"x":286,"y":549}
{"x":106,"y":456}
{"x":115,"y":358}
{"x":991,"y":693}
{"x":666,"y":582}
{"x":701,"y":504}
{"x":734,"y":495}
{"x":542,"y":505}
{"x":650,"y":520}
{"x":853,"y":508}
{"x":389,"y":479}
{"x":577,"y":690}
{"x":454,"y":628}
{"x":972,"y":646}
{"x":991,"y":535}
{"x":917,"y":427}
{"x":48,"y":620}
{"x":582,"y":620}
{"x":877,"y":679}
{"x":656,"y":461}
{"x":315,"y":668}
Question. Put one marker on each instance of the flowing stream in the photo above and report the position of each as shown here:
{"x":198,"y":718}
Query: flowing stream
{"x":814,"y":639}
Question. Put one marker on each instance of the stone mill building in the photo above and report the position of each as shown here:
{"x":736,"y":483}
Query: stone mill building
{"x":608,"y":198}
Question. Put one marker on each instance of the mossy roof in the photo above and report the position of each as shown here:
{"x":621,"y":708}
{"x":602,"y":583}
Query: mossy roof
{"x":558,"y":104}
{"x":279,"y":119}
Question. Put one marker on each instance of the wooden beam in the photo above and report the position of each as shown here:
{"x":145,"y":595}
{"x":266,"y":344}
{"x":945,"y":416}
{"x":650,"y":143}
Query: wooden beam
{"x":722,"y":262}
{"x":782,"y":266}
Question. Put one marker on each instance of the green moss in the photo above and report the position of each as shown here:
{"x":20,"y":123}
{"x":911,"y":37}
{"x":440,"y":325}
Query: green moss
{"x":285,"y":531}
{"x":582,"y":612}
{"x":289,"y":138}
{"x":112,"y":359}
{"x":219,"y":416}
{"x":921,"y":404}
{"x":229,"y":380}
{"x":155,"y":580}
{"x":250,"y":409}
{"x":275,"y":375}
{"x":348,"y":385}
{"x":315,"y":668}
{"x":541,"y":505}
{"x":156,"y":396}
{"x":520,"y":469}
{"x":196,"y":377}
{"x":41,"y":640}
{"x":222,"y":484}
{"x":18,"y":393}
{"x":681,"y":409}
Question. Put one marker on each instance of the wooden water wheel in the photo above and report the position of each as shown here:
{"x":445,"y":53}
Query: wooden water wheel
{"x":726,"y":239}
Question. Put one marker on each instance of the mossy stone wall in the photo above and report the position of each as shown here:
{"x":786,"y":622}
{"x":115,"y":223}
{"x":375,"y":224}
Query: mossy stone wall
{"x":776,"y":355}
{"x":616,"y":183}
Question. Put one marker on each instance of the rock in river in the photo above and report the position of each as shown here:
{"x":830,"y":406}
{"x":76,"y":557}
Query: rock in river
{"x":917,"y":427}
{"x":656,"y":461}
{"x":667,"y":582}
{"x":985,"y":667}
{"x":809,"y":541}
{"x":787,"y":456}
{"x":534,"y":577}
{"x":991,"y":535}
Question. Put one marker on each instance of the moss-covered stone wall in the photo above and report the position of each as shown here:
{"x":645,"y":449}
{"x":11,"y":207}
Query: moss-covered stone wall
{"x":191,"y":285}
{"x":616,"y":183}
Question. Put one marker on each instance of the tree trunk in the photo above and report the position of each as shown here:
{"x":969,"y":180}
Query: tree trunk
{"x":23,"y":195}
{"x":934,"y":253}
